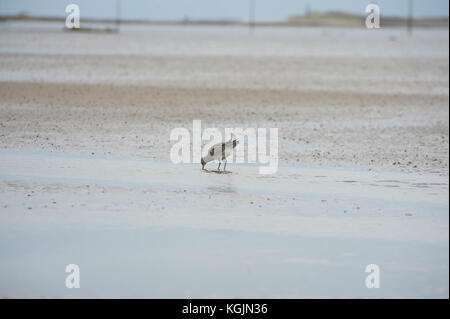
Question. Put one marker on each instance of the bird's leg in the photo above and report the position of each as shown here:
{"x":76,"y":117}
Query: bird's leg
{"x":218,"y":168}
{"x":225,"y":165}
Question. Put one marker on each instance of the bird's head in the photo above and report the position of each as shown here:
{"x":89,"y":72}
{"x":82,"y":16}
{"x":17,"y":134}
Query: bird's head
{"x":203,"y":163}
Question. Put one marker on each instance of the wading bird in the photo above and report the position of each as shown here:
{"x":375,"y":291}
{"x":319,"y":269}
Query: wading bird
{"x":220,"y":152}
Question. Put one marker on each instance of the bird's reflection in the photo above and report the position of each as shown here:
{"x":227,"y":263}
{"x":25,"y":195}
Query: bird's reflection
{"x":221,"y":189}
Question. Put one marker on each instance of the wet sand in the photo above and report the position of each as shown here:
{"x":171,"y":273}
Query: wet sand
{"x":387,"y":106}
{"x":85,"y":121}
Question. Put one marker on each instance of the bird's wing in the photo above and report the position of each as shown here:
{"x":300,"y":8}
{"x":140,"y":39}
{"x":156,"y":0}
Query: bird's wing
{"x":223,"y":150}
{"x":215,"y":151}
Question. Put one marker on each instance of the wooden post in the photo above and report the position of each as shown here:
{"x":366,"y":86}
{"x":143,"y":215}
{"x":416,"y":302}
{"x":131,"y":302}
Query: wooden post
{"x":251,"y":15}
{"x":409,"y":21}
{"x":118,"y":8}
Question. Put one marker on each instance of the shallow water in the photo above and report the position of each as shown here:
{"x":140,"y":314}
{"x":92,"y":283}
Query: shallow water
{"x":140,"y":228}
{"x":182,"y":263}
{"x":294,"y":191}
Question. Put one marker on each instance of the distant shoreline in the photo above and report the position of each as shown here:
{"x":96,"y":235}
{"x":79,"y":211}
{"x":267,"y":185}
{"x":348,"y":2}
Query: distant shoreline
{"x":331,"y":19}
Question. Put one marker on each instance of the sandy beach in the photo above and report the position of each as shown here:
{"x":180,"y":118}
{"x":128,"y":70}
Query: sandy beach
{"x":85,"y":173}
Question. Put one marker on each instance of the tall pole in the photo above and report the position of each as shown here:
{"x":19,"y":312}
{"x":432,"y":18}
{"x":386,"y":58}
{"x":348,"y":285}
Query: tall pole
{"x":307,"y":10}
{"x":251,"y":15}
{"x":409,"y":21}
{"x":118,"y":8}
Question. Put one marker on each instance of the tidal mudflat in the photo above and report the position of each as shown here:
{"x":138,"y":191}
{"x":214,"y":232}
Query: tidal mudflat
{"x":85,"y":174}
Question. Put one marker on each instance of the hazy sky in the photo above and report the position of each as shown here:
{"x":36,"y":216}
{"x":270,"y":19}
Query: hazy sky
{"x":214,"y":9}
